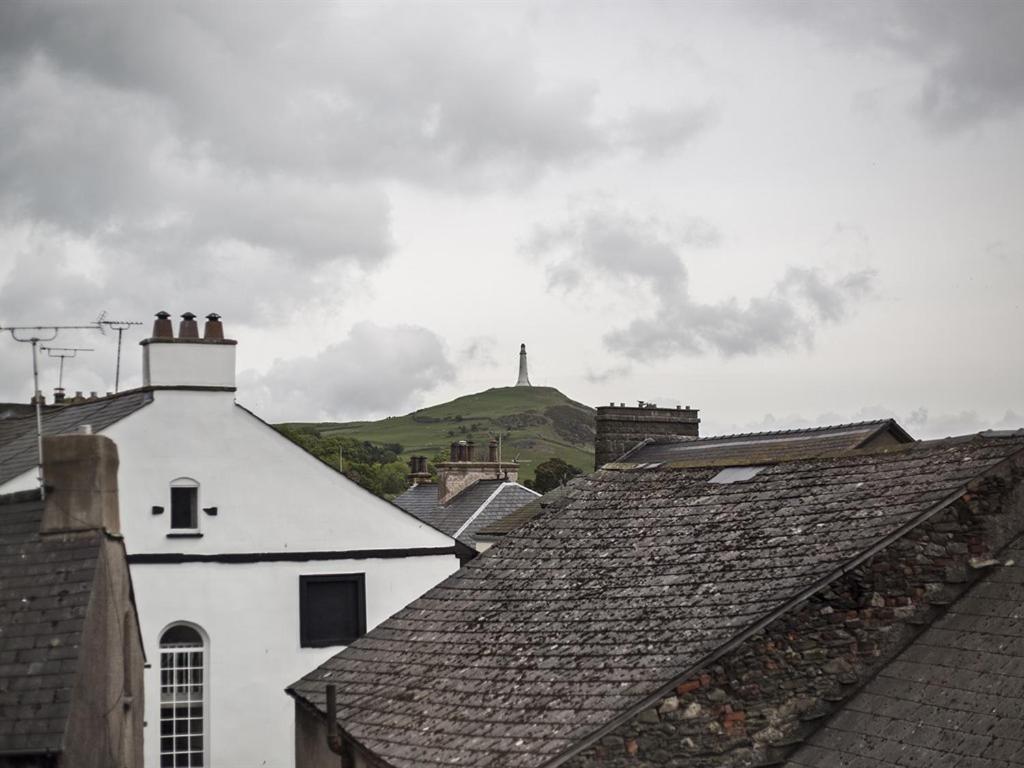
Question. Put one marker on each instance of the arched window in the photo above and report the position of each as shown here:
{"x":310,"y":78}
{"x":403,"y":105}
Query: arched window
{"x":182,"y":698}
{"x":184,"y":504}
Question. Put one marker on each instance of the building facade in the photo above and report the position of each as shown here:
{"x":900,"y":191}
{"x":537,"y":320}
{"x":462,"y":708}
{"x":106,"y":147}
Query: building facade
{"x":252,"y":560}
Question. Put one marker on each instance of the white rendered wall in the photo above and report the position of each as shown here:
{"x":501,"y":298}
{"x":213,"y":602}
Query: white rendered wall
{"x":177,"y":363}
{"x":271,"y":496}
{"x":251,"y":615}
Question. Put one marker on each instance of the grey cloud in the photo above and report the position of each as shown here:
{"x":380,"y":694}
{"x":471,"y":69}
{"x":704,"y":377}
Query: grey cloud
{"x":480,"y":351}
{"x":657,"y":132}
{"x":607,"y":374}
{"x":429,"y":95}
{"x":644,"y":256}
{"x":971,"y":50}
{"x":375,"y":370}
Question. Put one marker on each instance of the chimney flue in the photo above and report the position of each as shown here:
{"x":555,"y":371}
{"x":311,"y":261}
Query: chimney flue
{"x":214,"y":328}
{"x":492,"y":451}
{"x":189,"y":328}
{"x":162,"y":328}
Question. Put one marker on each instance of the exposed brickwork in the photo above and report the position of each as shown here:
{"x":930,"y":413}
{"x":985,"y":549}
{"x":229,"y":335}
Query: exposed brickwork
{"x":620,"y":428}
{"x":758,"y":702}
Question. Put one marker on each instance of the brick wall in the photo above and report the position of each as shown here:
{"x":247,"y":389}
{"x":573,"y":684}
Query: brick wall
{"x":755,"y":704}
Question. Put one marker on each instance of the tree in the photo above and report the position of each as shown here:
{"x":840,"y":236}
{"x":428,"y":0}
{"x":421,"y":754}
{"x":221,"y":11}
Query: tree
{"x":552,"y":473}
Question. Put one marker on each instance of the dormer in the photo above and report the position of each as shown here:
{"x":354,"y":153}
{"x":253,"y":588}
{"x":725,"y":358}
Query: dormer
{"x":188,"y":361}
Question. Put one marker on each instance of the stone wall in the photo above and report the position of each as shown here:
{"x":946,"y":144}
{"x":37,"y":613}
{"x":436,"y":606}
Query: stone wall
{"x":755,"y":704}
{"x":619,"y":428}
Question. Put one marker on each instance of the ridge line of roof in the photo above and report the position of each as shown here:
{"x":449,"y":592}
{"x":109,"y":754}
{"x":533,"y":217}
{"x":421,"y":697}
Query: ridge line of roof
{"x":796,"y":430}
{"x":786,"y":606}
{"x":479,"y":509}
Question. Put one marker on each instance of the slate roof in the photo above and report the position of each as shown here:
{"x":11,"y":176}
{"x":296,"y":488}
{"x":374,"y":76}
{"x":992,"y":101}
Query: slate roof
{"x":18,"y":435}
{"x":954,"y":697}
{"x":766,"y":447}
{"x":45,"y":585}
{"x":553,"y":499}
{"x":479,"y":505}
{"x":590,"y":612}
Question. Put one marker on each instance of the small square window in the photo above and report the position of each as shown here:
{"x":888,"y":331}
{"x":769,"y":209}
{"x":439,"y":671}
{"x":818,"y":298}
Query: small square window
{"x":185,"y":508}
{"x":332,"y":609}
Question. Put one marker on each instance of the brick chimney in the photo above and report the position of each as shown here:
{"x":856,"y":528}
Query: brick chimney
{"x":620,"y":428}
{"x":418,"y":473}
{"x":81,"y":484}
{"x":188,"y":361}
{"x":463,"y":470}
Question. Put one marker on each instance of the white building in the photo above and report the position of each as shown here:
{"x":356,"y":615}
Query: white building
{"x":252,"y":561}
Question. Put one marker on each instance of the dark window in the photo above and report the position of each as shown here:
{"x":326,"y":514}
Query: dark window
{"x":332,"y":609}
{"x":184,"y":505}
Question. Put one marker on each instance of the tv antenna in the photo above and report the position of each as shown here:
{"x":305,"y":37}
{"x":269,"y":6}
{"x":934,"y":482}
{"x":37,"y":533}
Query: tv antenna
{"x":33,"y":334}
{"x":63,"y":353}
{"x":120,"y":326}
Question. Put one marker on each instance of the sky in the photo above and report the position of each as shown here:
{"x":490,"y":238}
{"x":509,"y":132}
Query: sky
{"x":781,"y":213}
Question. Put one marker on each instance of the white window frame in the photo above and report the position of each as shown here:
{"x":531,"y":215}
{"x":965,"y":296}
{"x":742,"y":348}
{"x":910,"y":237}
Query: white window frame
{"x":183,"y":482}
{"x":186,"y":698}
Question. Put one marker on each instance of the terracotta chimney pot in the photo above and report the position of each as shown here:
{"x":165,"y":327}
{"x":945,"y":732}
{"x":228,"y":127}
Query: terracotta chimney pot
{"x":162,"y":328}
{"x":189,"y":328}
{"x":214,"y":328}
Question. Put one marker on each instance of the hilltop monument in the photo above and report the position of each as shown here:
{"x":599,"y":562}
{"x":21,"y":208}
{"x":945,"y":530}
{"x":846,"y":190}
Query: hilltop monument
{"x":524,"y":379}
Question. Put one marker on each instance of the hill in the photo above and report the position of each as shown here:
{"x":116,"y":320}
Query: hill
{"x":535,"y":423}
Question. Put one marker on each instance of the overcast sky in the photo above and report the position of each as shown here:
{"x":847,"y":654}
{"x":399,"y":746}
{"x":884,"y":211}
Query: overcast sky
{"x":779,"y":213}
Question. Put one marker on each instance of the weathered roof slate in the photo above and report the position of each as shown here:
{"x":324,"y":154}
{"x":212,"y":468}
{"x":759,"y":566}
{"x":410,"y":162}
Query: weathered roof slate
{"x":954,"y":697}
{"x":18,"y":435}
{"x":767,"y":447}
{"x":45,"y":586}
{"x":593,"y":610}
{"x":497,"y":498}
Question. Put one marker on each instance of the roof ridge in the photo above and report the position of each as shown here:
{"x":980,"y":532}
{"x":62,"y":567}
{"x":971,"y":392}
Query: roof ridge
{"x":794,"y":430}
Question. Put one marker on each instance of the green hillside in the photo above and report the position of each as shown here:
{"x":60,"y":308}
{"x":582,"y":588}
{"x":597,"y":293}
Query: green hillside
{"x":535,"y":423}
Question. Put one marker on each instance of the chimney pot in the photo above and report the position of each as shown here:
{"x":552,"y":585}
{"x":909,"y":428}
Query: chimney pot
{"x":189,"y":328}
{"x":214,"y":328}
{"x":492,"y":451}
{"x":162,"y":328}
{"x":58,"y":395}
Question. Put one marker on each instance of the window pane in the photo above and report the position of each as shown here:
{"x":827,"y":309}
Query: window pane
{"x":184,"y":506}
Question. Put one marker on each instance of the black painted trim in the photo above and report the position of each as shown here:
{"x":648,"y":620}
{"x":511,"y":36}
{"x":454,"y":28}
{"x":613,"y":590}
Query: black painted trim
{"x":187,"y":535}
{"x":210,"y":510}
{"x":292,"y":557}
{"x":158,"y":510}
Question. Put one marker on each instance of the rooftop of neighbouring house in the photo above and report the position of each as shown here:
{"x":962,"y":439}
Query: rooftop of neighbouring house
{"x":954,"y":697}
{"x":482,"y":503}
{"x":769,"y":447}
{"x":752,"y":448}
{"x":18,"y":451}
{"x":643,"y":574}
{"x":45,"y":588}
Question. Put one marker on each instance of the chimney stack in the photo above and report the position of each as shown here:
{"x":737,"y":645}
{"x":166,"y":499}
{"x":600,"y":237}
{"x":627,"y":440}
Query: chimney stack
{"x":188,"y":362}
{"x":418,"y":473}
{"x":464,"y":469}
{"x":81,"y":484}
{"x":619,"y":429}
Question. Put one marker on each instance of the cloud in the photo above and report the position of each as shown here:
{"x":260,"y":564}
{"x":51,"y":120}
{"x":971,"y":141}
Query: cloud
{"x":607,"y":374}
{"x":376,"y":370}
{"x":645,"y":256}
{"x":971,"y":52}
{"x":656,"y":132}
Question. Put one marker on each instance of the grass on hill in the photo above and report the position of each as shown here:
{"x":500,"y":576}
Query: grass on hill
{"x":535,"y":423}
